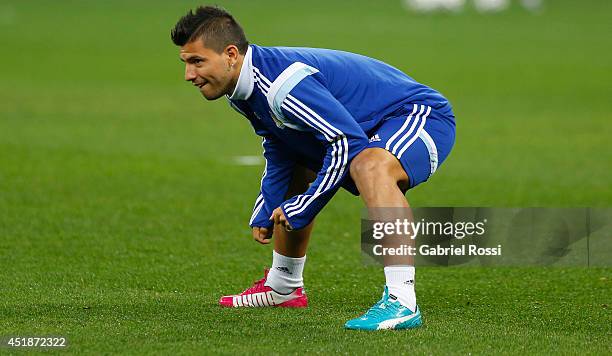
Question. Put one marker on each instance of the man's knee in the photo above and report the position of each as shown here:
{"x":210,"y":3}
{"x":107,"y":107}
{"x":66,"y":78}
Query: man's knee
{"x":374,"y":164}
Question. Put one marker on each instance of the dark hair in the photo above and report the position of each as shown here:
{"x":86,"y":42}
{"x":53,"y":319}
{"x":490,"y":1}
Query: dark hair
{"x":212,"y":24}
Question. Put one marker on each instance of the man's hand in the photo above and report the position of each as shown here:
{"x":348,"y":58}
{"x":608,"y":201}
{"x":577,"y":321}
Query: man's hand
{"x":279,"y":219}
{"x":262,"y":235}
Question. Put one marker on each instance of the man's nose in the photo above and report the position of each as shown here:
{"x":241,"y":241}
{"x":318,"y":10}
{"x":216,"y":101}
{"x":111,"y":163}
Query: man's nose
{"x":190,"y":73}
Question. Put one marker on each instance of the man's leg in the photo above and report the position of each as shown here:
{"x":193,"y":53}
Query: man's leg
{"x":382,"y":181}
{"x":399,"y":157}
{"x":281,"y":286}
{"x":289,"y":254}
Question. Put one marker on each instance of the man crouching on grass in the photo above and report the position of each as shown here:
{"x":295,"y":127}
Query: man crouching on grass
{"x":328,"y":119}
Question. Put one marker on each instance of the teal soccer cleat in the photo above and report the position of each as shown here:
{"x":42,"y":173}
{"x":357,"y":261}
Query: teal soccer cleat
{"x":387,"y":314}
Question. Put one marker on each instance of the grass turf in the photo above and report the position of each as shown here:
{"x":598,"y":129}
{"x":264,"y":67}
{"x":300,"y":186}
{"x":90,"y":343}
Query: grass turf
{"x":122,"y":218}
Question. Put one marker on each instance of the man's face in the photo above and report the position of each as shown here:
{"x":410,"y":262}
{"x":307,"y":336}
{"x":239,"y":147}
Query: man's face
{"x":213,"y":73}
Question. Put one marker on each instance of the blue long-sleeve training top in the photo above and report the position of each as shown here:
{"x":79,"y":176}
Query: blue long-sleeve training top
{"x":316,"y":108}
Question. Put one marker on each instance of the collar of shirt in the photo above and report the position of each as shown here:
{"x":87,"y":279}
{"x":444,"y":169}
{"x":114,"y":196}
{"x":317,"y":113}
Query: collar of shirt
{"x":244,"y":86}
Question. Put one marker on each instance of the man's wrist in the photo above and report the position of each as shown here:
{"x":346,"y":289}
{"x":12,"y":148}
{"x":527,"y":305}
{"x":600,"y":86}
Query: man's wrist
{"x":262,"y":225}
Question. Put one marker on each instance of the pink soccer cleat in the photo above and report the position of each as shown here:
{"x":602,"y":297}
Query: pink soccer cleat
{"x":260,"y":295}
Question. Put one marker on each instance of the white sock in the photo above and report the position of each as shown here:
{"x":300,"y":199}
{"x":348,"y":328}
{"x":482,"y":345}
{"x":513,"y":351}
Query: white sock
{"x":286,"y":273}
{"x":400,"y":281}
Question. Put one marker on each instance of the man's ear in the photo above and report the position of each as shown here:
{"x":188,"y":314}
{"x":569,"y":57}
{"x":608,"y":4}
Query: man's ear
{"x":232,"y":52}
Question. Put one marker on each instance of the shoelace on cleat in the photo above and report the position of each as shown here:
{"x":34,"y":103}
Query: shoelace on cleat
{"x":378,"y":311}
{"x":381,"y":307}
{"x":258,"y":286}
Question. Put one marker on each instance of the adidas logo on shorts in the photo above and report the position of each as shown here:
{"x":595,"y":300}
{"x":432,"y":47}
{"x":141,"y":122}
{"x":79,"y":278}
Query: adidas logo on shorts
{"x":375,"y":138}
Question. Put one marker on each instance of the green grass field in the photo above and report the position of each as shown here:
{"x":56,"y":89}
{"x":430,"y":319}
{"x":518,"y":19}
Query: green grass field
{"x":123,"y":218}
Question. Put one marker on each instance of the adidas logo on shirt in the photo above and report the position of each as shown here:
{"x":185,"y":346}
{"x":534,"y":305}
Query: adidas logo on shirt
{"x":277,"y":121}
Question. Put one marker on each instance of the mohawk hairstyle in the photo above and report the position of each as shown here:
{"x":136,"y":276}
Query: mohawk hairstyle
{"x":211,"y":24}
